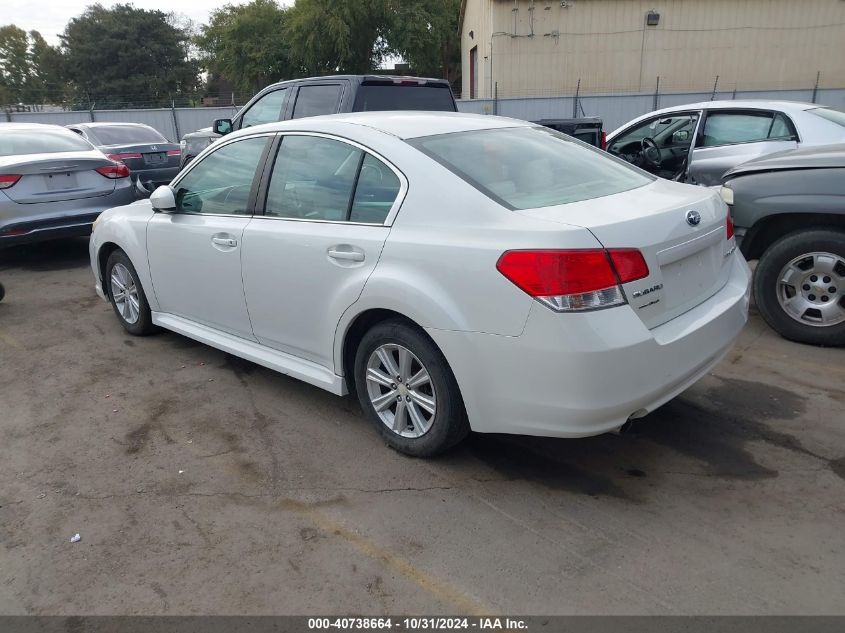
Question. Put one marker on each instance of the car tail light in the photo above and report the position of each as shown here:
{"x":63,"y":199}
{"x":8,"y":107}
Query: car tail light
{"x":574,"y":280}
{"x":8,"y":180}
{"x":603,"y":140}
{"x":118,"y":158}
{"x":118,"y":170}
{"x":174,"y":152}
{"x":730,"y":226}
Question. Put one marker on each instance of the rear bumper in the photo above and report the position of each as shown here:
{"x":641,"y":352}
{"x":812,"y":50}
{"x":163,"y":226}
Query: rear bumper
{"x":576,"y":375}
{"x":28,"y":223}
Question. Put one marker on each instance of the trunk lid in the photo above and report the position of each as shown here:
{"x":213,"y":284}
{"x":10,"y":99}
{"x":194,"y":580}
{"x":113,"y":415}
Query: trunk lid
{"x":56,"y":177}
{"x":145,"y":155}
{"x":687,"y":261}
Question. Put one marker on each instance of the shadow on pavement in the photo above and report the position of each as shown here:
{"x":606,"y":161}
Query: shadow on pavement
{"x":46,"y":256}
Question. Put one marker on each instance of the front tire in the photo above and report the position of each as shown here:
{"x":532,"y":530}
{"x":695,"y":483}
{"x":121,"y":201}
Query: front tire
{"x":408,"y":391}
{"x":799,"y":287}
{"x":127,"y":296}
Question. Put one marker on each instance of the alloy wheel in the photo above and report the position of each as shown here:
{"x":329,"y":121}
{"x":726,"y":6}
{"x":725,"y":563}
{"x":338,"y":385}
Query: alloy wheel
{"x":401,"y":390}
{"x":124,"y":292}
{"x":811,"y":289}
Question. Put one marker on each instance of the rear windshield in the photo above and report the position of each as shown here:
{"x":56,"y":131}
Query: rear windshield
{"x":41,"y":141}
{"x":831,"y":115}
{"x":126,"y":135}
{"x":377,"y":97}
{"x":530,"y":167}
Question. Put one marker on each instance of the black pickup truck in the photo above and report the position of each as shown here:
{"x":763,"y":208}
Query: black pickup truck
{"x":587,"y":129}
{"x":314,"y":96}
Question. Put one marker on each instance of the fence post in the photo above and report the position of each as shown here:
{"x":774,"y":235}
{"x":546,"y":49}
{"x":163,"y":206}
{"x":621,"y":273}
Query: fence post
{"x":8,"y":113}
{"x":575,"y":101}
{"x":816,"y":88}
{"x":715,"y":85}
{"x":657,"y":94}
{"x":175,"y":120}
{"x":496,"y":99}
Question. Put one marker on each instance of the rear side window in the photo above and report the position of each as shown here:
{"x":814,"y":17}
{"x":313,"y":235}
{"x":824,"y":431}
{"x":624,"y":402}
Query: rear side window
{"x":727,"y":128}
{"x":41,"y":141}
{"x":316,"y":100}
{"x":316,"y":178}
{"x":379,"y":97}
{"x":834,"y":116}
{"x":530,"y":167}
{"x":126,"y":135}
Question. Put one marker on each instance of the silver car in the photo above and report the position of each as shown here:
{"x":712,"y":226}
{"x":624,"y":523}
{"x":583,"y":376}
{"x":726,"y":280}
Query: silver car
{"x":699,"y":142}
{"x":54,"y":183}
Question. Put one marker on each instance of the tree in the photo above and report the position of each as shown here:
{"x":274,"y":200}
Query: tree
{"x":245,"y":44}
{"x":29,"y":68}
{"x":127,"y":57}
{"x":14,"y":63}
{"x":425,"y":34}
{"x":47,"y":83}
{"x":344,"y":36}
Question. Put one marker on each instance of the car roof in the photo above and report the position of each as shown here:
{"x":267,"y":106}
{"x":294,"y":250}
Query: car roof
{"x":362,"y":78}
{"x":402,"y":124}
{"x":95,"y":124}
{"x":29,"y":126}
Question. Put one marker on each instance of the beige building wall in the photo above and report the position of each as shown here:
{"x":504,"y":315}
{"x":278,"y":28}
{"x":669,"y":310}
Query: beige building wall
{"x":537,"y":48}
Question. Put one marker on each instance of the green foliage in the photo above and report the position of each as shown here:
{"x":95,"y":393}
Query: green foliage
{"x":29,"y":68}
{"x":425,"y":34}
{"x":244,"y":43}
{"x":127,"y":57}
{"x":345,"y":36}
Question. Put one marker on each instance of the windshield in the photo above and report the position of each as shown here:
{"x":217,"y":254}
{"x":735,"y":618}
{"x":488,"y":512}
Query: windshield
{"x":530,"y":167}
{"x":126,"y":135}
{"x":41,"y":141}
{"x":830,"y":114}
{"x":377,"y":97}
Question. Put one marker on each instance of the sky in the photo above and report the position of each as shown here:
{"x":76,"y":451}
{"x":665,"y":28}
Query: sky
{"x":49,"y":17}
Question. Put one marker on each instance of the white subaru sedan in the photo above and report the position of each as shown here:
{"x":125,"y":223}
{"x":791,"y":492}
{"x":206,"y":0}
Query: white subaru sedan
{"x":456,"y":272}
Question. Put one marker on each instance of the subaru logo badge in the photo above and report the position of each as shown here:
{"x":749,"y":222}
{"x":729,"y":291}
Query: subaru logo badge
{"x":693,"y":217}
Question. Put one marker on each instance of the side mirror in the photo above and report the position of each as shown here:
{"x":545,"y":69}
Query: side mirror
{"x":223,"y":126}
{"x":681,"y":136}
{"x":163,"y":200}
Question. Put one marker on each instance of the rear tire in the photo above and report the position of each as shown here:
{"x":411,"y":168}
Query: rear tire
{"x":408,"y":391}
{"x":127,"y":295}
{"x":800,"y":282}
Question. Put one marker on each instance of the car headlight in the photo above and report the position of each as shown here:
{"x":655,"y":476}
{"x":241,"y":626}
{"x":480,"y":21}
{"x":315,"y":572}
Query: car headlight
{"x":727,"y":195}
{"x":183,"y":144}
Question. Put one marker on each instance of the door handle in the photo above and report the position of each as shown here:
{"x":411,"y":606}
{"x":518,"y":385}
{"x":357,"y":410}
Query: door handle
{"x":349,"y":256}
{"x":224,"y":241}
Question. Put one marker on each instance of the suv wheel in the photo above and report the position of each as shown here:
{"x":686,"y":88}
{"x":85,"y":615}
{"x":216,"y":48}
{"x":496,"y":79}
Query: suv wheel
{"x":407,"y":390}
{"x":799,"y":286}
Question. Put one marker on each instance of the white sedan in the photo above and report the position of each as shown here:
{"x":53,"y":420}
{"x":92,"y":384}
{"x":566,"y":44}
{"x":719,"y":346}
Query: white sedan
{"x":456,"y":272}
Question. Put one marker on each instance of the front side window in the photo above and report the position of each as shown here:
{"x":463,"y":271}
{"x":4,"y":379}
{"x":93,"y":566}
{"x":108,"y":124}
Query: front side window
{"x":530,"y":167}
{"x":728,"y":128}
{"x":316,"y":100}
{"x":222,"y":181}
{"x":316,"y":178}
{"x":667,"y":131}
{"x":268,"y":109}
